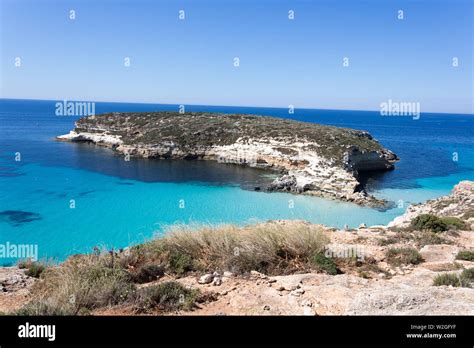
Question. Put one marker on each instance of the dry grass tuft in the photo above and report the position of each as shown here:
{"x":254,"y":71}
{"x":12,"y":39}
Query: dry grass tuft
{"x":83,"y":282}
{"x":270,"y":248}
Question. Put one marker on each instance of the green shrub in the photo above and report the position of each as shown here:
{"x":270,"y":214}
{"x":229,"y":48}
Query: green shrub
{"x":167,"y":296}
{"x":33,"y":268}
{"x":466,"y":255}
{"x":447,"y":279}
{"x":464,"y":279}
{"x":147,"y":273}
{"x":324,"y":263}
{"x":403,"y":256}
{"x":467,"y":277}
{"x":455,"y":222}
{"x":423,"y":238}
{"x":444,"y":267}
{"x":387,"y":241}
{"x":180,"y":263}
{"x":103,"y":286}
{"x":429,"y":222}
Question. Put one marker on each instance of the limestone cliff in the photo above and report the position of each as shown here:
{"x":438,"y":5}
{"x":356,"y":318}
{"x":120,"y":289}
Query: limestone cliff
{"x":312,"y":159}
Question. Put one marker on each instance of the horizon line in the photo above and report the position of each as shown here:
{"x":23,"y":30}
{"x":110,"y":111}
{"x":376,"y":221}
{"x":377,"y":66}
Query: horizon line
{"x":236,"y":106}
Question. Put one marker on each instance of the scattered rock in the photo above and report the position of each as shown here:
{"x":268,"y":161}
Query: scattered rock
{"x":206,"y":279}
{"x":297,"y":292}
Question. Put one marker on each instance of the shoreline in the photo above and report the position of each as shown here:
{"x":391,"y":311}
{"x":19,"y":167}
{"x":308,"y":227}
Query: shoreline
{"x":353,"y":263}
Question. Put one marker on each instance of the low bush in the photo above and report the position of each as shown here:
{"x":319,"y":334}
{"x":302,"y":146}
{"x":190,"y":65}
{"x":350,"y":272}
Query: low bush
{"x":465,"y":279}
{"x":423,"y":238}
{"x":447,"y":279}
{"x":32,"y":268}
{"x":429,"y":222}
{"x":180,"y":263}
{"x":45,"y":307}
{"x":147,"y":273}
{"x":403,"y":256}
{"x":167,"y":296}
{"x":82,"y":281}
{"x":324,"y":264}
{"x":467,"y":255}
{"x":454,"y":222}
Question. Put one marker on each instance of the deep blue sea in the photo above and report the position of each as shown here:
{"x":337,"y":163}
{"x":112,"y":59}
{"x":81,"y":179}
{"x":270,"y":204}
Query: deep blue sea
{"x":118,"y":203}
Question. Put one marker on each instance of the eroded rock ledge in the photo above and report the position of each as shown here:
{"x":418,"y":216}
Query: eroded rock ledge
{"x":312,"y":159}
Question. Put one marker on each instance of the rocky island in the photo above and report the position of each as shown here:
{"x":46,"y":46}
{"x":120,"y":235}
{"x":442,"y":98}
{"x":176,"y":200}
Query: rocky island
{"x":311,"y":158}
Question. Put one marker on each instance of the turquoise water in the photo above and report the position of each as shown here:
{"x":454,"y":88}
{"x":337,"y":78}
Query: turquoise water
{"x":119,"y":203}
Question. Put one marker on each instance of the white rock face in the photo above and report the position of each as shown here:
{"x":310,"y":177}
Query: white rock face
{"x":306,"y":172}
{"x":98,"y":138}
{"x":459,"y":202}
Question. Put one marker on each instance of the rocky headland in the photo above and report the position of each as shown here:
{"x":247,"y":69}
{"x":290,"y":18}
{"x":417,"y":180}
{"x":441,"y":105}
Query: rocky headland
{"x":422,"y":263}
{"x":310,"y":158}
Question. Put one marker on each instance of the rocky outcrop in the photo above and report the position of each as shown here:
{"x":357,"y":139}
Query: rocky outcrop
{"x":313,"y":159}
{"x":459,"y":204}
{"x":14,"y":288}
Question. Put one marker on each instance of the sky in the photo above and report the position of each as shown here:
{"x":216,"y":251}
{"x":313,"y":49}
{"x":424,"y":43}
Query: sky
{"x":282,"y":62}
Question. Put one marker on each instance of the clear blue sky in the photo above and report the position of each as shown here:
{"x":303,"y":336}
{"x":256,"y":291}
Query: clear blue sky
{"x":282,"y":62}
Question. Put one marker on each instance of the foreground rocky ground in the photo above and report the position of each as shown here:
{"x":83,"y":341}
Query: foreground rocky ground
{"x":373,"y":276}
